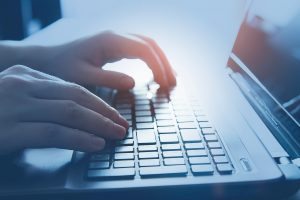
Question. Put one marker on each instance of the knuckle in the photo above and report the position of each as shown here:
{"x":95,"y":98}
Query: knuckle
{"x":72,"y":110}
{"x":150,"y":40}
{"x":114,"y":114}
{"x":18,"y":68}
{"x":107,"y":124}
{"x":147,"y":48}
{"x":107,"y":33}
{"x":80,"y":92}
{"x":76,"y":140}
{"x":51,"y":132}
{"x":12,"y":81}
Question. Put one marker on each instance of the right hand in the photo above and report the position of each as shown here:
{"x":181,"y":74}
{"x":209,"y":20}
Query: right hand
{"x":40,"y":111}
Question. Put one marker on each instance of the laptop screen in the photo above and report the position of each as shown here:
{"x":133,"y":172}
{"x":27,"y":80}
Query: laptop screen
{"x":268,"y":45}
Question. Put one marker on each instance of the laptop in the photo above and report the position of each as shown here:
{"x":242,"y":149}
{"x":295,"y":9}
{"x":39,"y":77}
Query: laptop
{"x":222,"y":132}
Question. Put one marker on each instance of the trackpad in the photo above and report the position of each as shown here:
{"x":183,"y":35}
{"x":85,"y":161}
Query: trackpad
{"x":34,"y":166}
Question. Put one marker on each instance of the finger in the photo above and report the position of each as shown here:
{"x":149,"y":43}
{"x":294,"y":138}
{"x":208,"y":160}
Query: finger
{"x":27,"y":71}
{"x":115,"y":80}
{"x":70,"y":114}
{"x":80,"y":95}
{"x":166,"y":64}
{"x":116,"y":47}
{"x":46,"y":135}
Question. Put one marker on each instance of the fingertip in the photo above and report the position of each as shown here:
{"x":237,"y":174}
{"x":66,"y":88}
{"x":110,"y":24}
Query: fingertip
{"x":127,"y":83}
{"x":120,"y":131}
{"x":123,"y":122}
{"x":97,"y":143}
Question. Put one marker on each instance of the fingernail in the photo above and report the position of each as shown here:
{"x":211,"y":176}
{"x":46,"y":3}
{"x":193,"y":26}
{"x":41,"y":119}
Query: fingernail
{"x":127,"y":82}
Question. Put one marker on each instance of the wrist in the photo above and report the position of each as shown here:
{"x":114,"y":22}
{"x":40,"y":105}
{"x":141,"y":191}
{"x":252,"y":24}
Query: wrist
{"x":31,"y":56}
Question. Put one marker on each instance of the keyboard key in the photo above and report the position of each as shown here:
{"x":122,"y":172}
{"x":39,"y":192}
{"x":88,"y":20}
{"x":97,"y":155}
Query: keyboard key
{"x":99,"y":165}
{"x":142,"y":107}
{"x":143,"y":148}
{"x":144,"y":125}
{"x":142,"y":102}
{"x":146,"y":136}
{"x":124,"y":163}
{"x":167,"y":129}
{"x":179,"y":104}
{"x":125,"y":111}
{"x":211,"y":138}
{"x":148,"y":155}
{"x":199,"y":112}
{"x":224,"y":168}
{"x":187,"y":125}
{"x":204,"y":124}
{"x":162,"y":111}
{"x":127,"y":116}
{"x":175,"y":170}
{"x":172,"y":154}
{"x":119,"y":173}
{"x":125,"y":142}
{"x":160,"y":105}
{"x":143,"y":119}
{"x":198,"y":152}
{"x":168,"y":138}
{"x":123,"y":101}
{"x":197,"y":145}
{"x":180,"y":107}
{"x":124,"y":156}
{"x":202,"y":118}
{"x":124,"y":149}
{"x":168,"y":147}
{"x":100,"y":157}
{"x":190,"y":135}
{"x":129,"y":134}
{"x":183,"y":113}
{"x":142,"y":113}
{"x":220,"y":159}
{"x":199,"y":160}
{"x":217,"y":152}
{"x":162,"y":123}
{"x":149,"y":162}
{"x":129,"y":122}
{"x":163,"y":116}
{"x":122,"y":106}
{"x":207,"y":131}
{"x":184,"y":119}
{"x":214,"y":145}
{"x":206,"y":169}
{"x":140,"y":97}
{"x":174,"y":161}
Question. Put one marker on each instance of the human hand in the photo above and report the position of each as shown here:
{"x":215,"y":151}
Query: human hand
{"x":80,"y":61}
{"x":38,"y":110}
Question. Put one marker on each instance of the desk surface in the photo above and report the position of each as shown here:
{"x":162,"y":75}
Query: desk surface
{"x":66,"y":30}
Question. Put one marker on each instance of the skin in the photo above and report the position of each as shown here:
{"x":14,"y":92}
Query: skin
{"x":43,"y":105}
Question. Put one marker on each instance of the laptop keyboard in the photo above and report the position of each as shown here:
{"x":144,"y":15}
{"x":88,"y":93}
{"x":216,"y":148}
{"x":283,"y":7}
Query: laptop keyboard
{"x":169,"y":135}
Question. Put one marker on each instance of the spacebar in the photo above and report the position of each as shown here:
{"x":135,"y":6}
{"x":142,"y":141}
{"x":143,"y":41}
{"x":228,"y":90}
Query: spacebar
{"x":111,"y":173}
{"x":178,"y":170}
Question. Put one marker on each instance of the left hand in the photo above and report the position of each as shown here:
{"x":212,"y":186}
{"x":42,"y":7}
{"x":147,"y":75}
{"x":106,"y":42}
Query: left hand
{"x":80,"y":61}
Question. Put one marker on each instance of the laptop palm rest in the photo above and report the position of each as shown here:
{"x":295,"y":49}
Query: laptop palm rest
{"x":35,"y":168}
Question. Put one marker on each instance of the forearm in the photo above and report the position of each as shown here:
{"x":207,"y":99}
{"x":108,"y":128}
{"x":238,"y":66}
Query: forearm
{"x":14,"y":54}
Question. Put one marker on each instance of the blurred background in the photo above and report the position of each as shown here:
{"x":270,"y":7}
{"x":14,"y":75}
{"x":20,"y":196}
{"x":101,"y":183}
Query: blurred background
{"x":21,"y":18}
{"x":268,"y":38}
